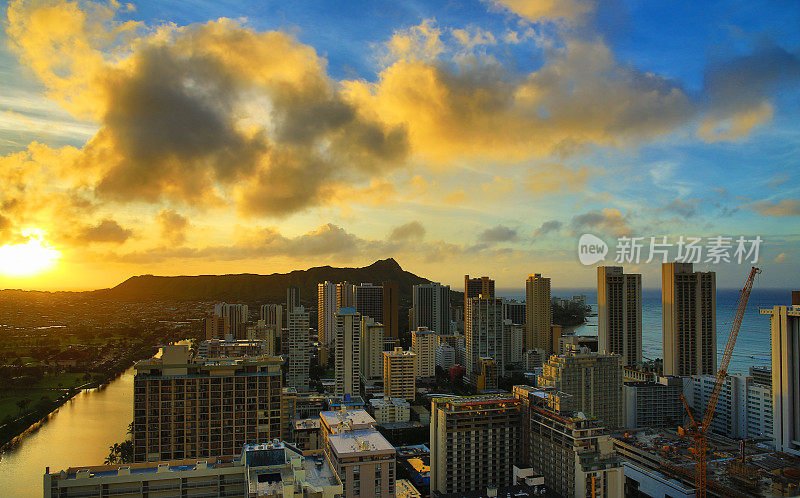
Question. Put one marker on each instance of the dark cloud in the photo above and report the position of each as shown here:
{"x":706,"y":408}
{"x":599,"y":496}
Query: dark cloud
{"x":607,"y":220}
{"x":217,"y":111}
{"x":738,"y":90}
{"x":743,"y":82}
{"x":172,"y":226}
{"x":686,"y":209}
{"x":5,"y":226}
{"x":107,"y":230}
{"x":499,"y":233}
{"x":547,"y":227}
{"x":411,"y":230}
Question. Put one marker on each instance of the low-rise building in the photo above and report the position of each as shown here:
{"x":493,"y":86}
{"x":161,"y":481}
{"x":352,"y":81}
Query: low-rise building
{"x":387,"y":410}
{"x":445,"y":356}
{"x":307,"y":433}
{"x":589,"y":342}
{"x":486,"y":376}
{"x":653,"y":404}
{"x":274,"y":469}
{"x":404,"y":489}
{"x":534,"y":358}
{"x":232,"y":348}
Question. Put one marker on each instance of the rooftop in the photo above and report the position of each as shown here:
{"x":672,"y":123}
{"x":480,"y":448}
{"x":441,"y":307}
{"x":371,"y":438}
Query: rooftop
{"x":307,"y":423}
{"x":359,"y":441}
{"x":378,"y":402}
{"x":340,"y":421}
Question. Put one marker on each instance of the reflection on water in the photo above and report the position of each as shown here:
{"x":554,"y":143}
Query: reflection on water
{"x":79,"y":433}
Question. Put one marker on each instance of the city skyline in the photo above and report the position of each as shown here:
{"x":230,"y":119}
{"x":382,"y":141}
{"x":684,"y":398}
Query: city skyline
{"x":482,"y":137}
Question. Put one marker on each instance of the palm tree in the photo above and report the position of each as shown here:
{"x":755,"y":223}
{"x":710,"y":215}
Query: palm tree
{"x":113,"y":452}
{"x":22,"y":404}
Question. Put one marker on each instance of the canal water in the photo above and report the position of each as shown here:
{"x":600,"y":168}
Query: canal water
{"x":79,"y":433}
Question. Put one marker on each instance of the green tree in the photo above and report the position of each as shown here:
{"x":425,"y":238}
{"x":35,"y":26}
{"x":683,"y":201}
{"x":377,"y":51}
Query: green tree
{"x":22,"y":404}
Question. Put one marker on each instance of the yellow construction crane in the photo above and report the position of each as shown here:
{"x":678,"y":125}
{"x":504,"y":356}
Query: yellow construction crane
{"x":699,"y":431}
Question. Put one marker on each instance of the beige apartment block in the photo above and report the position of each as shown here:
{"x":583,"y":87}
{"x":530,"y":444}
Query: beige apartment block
{"x":594,"y":380}
{"x":399,"y":380}
{"x":538,"y":313}
{"x":689,"y":315}
{"x":619,"y":313}
{"x":423,"y":344}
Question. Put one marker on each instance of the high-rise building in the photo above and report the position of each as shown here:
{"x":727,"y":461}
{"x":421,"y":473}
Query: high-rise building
{"x":273,"y":318}
{"x":513,"y":342}
{"x":186,"y":408}
{"x":215,"y":327}
{"x":431,"y":307}
{"x":391,"y":308}
{"x":348,"y":351}
{"x":785,"y":335}
{"x":326,"y":313}
{"x":538,"y":313}
{"x":474,"y":287}
{"x":445,"y":356}
{"x":571,"y":451}
{"x":371,"y":347}
{"x":515,"y":311}
{"x":619,"y":313}
{"x":689,"y":315}
{"x":484,"y":329}
{"x":369,"y":300}
{"x":292,"y":297}
{"x":298,"y":349}
{"x":234,"y":318}
{"x":474,"y":442}
{"x":399,"y":380}
{"x":423,"y":344}
{"x":594,"y":380}
{"x":344,"y":295}
{"x":760,"y":418}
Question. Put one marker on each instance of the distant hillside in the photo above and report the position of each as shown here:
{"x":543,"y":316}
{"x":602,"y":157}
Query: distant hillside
{"x":250,"y":287}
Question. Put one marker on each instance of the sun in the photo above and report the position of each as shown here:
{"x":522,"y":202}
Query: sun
{"x":28,"y":258}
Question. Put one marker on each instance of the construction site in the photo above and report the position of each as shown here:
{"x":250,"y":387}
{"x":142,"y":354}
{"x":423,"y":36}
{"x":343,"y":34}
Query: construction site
{"x":734,"y":468}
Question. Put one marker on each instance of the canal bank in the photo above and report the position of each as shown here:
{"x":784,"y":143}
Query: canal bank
{"x":78,"y":433}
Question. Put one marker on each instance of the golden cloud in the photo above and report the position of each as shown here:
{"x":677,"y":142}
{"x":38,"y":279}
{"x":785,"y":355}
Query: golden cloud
{"x":548,"y":10}
{"x":474,"y":108}
{"x":556,"y":178}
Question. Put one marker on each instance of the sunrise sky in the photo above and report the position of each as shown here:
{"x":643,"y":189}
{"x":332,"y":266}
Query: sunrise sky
{"x":457,"y":137}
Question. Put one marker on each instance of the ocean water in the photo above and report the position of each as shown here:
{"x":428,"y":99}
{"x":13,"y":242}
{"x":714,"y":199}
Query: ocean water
{"x":752,"y":344}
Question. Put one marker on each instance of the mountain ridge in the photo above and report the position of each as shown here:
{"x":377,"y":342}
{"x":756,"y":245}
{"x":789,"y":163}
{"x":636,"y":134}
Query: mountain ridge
{"x":251,"y":286}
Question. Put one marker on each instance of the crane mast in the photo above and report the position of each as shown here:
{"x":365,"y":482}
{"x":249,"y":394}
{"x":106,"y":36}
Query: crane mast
{"x":700,"y":431}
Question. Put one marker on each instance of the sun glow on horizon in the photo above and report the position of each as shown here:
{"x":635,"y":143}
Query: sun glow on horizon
{"x":28,"y":258}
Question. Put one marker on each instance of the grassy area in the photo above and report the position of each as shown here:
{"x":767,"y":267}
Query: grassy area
{"x":48,"y":386}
